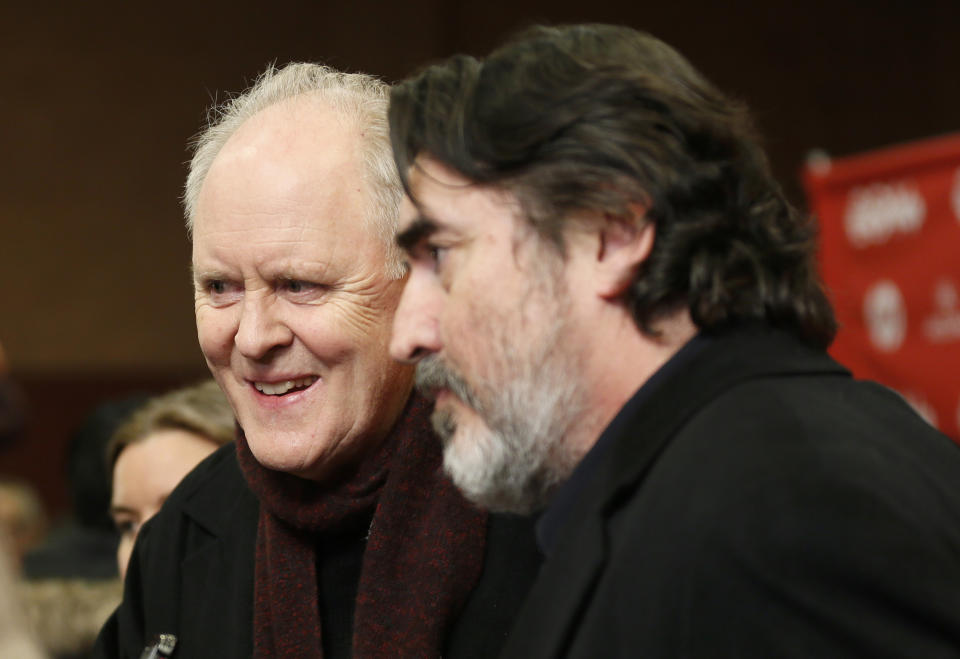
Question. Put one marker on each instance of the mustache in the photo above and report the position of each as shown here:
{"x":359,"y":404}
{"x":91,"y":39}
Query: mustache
{"x":432,"y":375}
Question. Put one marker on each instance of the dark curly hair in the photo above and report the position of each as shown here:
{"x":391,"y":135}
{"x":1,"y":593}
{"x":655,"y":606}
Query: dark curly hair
{"x":601,"y":117}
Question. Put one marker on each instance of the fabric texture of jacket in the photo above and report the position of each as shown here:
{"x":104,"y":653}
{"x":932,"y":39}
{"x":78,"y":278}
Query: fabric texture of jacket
{"x":191,"y":575}
{"x":758,"y":503}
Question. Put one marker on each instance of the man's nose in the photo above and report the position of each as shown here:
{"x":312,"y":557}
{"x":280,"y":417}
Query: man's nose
{"x":261,"y":329}
{"x":416,"y":331}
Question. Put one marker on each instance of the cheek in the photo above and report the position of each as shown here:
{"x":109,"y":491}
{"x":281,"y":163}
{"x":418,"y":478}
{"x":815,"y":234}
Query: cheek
{"x":332,"y":337}
{"x":460,"y":324}
{"x":124,"y":549}
{"x":474,"y":337}
{"x":215,"y":331}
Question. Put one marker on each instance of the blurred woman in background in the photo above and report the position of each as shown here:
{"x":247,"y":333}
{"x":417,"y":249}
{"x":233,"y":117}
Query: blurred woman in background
{"x":159,"y":445}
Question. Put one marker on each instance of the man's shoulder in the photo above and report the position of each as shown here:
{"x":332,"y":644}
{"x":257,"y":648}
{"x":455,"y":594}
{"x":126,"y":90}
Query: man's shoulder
{"x":772,"y":430}
{"x":785,"y":419}
{"x":789,"y":442}
{"x":810,"y":485}
{"x":755,"y":394}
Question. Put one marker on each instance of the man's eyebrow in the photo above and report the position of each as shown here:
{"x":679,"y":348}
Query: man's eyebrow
{"x":203,"y":274}
{"x":122,"y":510}
{"x":419,"y":229}
{"x":199,"y":276}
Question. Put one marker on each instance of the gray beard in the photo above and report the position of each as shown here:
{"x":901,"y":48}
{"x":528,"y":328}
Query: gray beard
{"x":515,"y":460}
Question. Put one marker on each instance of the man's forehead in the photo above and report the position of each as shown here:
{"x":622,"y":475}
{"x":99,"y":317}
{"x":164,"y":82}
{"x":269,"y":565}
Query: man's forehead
{"x":294,"y":120}
{"x":427,"y":172}
{"x":298,"y":136}
{"x":291,"y":159}
{"x":436,"y":188}
{"x":425,"y":177}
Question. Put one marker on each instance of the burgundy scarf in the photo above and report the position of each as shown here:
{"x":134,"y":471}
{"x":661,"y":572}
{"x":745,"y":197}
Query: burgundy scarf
{"x":423,"y":556}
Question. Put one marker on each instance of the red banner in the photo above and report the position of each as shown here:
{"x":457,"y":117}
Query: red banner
{"x":890,"y":256}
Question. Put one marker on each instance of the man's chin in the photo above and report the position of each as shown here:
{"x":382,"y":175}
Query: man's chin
{"x":493,"y":496}
{"x":487,"y":473}
{"x":279,"y":452}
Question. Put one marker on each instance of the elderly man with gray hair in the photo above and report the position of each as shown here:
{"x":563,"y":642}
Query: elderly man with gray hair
{"x":328,"y":529}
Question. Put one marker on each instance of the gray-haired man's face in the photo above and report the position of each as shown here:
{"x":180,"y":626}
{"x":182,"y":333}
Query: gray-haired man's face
{"x":293,"y":301}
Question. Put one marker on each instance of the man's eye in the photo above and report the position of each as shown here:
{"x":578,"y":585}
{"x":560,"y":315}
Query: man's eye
{"x":215,"y":286}
{"x":437,"y":255}
{"x":301,"y":290}
{"x":126,"y":527}
{"x":219,"y":292}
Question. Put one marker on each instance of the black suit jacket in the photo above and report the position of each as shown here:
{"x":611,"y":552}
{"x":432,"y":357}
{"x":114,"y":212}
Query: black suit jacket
{"x":758,"y":503}
{"x":192,"y":570}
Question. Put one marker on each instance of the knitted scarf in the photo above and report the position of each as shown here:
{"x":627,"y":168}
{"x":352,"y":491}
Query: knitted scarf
{"x":423,"y":556}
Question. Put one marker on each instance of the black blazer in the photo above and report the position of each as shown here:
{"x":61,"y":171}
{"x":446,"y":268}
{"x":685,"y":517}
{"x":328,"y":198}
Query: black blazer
{"x":191,"y":574}
{"x":760,"y":503}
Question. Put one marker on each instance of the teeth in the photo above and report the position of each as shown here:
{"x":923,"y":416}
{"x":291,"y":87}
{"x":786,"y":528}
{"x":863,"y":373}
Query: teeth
{"x":280,"y":388}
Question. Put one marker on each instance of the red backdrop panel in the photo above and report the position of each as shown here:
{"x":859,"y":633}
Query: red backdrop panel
{"x":890,"y":255}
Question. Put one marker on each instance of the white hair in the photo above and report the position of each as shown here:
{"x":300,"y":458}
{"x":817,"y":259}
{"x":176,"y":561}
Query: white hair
{"x":357,"y":96}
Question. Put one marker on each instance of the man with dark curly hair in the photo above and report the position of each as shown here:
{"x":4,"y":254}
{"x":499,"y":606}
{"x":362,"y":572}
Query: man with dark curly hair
{"x":619,"y":316}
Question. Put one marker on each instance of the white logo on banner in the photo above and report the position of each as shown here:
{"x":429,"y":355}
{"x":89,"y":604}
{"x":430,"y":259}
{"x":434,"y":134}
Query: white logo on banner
{"x":955,"y":197}
{"x":875,"y":212}
{"x":885,"y":315}
{"x":921,"y":406}
{"x":944,"y":323}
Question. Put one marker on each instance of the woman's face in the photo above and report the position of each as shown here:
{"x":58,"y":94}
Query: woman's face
{"x":144,"y":475}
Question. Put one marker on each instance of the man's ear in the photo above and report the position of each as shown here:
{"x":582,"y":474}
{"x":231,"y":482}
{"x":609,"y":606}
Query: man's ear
{"x":624,"y":243}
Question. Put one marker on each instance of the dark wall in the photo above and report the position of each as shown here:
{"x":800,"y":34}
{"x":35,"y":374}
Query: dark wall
{"x":100,"y":100}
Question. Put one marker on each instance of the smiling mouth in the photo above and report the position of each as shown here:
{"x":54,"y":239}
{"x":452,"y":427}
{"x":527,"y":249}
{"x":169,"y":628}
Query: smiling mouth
{"x":284,"y":387}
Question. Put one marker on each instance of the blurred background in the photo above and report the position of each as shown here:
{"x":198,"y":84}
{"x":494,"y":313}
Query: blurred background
{"x":100,"y":100}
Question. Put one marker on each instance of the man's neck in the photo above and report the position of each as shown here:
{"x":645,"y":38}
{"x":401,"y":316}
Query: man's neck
{"x":616,"y":363}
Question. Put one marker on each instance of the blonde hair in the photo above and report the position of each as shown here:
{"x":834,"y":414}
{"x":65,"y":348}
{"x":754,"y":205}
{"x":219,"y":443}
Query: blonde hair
{"x":201,"y":409}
